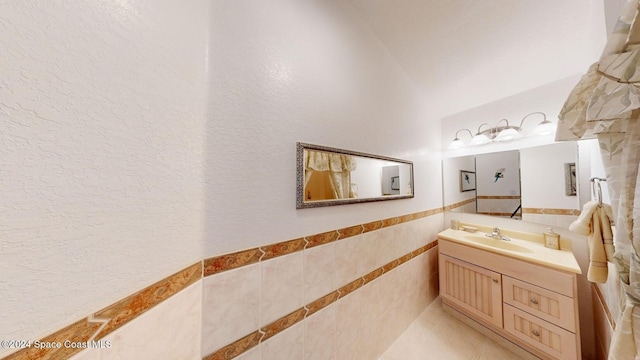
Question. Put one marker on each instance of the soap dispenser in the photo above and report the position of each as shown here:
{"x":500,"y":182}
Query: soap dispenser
{"x":551,"y":239}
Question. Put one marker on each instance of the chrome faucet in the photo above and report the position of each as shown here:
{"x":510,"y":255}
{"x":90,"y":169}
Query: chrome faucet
{"x":497,"y":235}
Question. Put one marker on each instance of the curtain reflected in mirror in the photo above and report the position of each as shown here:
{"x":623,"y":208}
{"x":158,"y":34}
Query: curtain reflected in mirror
{"x":329,"y":176}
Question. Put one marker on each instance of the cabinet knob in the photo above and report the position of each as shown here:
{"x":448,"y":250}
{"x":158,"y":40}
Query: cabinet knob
{"x":535,"y":332}
{"x":534,"y":301}
{"x":495,"y":281}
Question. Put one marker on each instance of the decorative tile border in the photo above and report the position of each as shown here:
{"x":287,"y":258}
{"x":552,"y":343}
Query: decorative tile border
{"x":321,"y":239}
{"x":502,"y":197}
{"x":282,"y":248}
{"x":235,"y":260}
{"x":459,"y":204}
{"x":350,"y":231}
{"x":104,"y":322}
{"x":494,"y":213}
{"x":372,"y":226}
{"x":232,"y":261}
{"x":351,"y":287}
{"x":127,"y":309}
{"x":283,"y":323}
{"x":79,"y":331}
{"x":546,"y":211}
{"x":242,"y":345}
{"x":232,"y":350}
{"x":542,"y":211}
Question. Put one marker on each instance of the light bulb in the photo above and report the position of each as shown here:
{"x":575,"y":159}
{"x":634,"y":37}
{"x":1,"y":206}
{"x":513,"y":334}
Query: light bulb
{"x":480,"y":139}
{"x":508,"y":135}
{"x":455,"y":144}
{"x":544,"y":128}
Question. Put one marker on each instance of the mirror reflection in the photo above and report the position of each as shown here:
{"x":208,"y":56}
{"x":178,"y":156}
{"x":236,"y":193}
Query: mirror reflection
{"x":329,"y":176}
{"x":498,"y":184}
{"x":536,"y":184}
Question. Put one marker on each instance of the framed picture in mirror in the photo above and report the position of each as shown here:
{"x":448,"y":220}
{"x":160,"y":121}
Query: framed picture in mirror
{"x":570,"y":179}
{"x":395,"y":183}
{"x":467,"y":180}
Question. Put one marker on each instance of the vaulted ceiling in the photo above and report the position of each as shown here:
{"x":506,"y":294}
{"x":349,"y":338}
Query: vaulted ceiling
{"x":477,"y":51}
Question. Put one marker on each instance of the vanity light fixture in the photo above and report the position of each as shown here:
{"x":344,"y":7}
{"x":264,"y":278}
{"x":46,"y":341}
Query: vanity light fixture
{"x":503,"y":132}
{"x":545,"y":127}
{"x":507,"y":132}
{"x":481,"y":138}
{"x":457,"y":143}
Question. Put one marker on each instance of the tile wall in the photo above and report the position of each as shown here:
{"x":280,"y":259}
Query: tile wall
{"x":555,"y":217}
{"x":466,"y":206}
{"x":603,"y":323}
{"x":342,"y":294}
{"x":498,"y":205}
{"x":608,"y":301}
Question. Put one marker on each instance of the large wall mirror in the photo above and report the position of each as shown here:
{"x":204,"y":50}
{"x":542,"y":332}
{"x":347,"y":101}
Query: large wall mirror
{"x":328,"y":176}
{"x":537,"y":184}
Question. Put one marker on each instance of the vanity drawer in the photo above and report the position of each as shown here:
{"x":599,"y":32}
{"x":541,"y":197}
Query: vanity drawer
{"x":547,"y":305}
{"x":551,"y":339}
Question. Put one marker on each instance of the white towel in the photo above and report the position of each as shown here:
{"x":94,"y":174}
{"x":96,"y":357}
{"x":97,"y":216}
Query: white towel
{"x":595,"y":221}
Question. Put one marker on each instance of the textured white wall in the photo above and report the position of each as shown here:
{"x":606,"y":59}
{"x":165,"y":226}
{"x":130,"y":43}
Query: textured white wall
{"x":548,"y":99}
{"x":102,"y":111}
{"x":309,"y":71}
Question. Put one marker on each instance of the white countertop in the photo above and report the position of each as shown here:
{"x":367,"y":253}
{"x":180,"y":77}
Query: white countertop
{"x":524,"y":246}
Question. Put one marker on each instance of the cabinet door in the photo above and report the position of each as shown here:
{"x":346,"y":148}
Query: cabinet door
{"x":472,"y":288}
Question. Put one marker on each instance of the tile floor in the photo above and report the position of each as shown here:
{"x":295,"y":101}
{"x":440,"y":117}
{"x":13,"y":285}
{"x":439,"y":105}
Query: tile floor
{"x":438,"y":335}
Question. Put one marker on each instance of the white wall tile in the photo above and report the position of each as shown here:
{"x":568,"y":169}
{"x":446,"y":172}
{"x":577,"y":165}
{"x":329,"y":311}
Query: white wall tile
{"x":350,"y":350}
{"x":282,"y":286}
{"x":319,"y":334}
{"x":367,"y":250}
{"x":251,"y":354}
{"x":231,"y":306}
{"x":319,"y":271}
{"x":170,"y":330}
{"x":347,"y":260}
{"x":288,"y":344}
{"x":348,"y":319}
{"x":369,"y":300}
{"x":88,"y":354}
{"x":432,"y":255}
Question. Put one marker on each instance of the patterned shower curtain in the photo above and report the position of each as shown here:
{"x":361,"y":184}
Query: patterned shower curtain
{"x":605,"y":104}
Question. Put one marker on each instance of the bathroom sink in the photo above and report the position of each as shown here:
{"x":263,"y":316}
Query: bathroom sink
{"x":522,"y":245}
{"x":502,"y":244}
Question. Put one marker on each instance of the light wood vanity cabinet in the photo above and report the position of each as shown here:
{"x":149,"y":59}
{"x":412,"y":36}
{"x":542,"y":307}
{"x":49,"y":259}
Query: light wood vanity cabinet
{"x":472,"y":288}
{"x":533,"y":306}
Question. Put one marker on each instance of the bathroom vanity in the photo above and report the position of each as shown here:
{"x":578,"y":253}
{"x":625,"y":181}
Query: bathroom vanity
{"x":519,"y":289}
